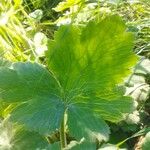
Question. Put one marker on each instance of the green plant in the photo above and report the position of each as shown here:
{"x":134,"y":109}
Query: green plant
{"x":14,"y":41}
{"x":19,"y":31}
{"x":135,"y":13}
{"x":79,"y":89}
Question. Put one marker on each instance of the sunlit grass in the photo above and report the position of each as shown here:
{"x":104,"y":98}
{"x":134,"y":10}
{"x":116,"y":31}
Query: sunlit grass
{"x":6,"y":134}
{"x":14,"y":38}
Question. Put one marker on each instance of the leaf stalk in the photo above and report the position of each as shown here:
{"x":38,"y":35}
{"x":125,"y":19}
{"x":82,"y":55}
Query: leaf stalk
{"x":63,"y":140}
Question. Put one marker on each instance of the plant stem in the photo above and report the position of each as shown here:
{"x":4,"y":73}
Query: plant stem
{"x":63,"y":140}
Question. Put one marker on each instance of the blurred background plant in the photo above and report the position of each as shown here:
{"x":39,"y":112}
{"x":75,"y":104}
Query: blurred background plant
{"x":21,"y":28}
{"x":14,"y":42}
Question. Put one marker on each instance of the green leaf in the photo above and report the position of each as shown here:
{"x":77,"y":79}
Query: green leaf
{"x":93,"y":60}
{"x":89,"y":62}
{"x":31,"y":84}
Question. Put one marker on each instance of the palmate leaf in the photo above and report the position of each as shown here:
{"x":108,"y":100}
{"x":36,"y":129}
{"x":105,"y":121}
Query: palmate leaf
{"x":94,"y":59}
{"x":89,"y":63}
{"x":86,"y":64}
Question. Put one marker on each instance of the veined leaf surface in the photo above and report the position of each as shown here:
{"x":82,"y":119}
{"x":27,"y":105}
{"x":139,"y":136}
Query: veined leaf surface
{"x":36,"y":92}
{"x":86,"y":65}
{"x":89,"y":63}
